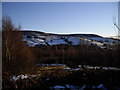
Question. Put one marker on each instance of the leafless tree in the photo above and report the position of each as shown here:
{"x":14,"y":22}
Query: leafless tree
{"x":16,"y":55}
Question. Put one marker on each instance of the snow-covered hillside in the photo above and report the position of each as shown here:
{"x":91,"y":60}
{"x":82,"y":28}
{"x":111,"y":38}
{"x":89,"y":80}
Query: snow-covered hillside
{"x":33,"y":38}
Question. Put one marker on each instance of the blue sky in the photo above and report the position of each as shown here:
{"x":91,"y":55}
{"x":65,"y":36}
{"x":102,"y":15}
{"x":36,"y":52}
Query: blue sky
{"x":64,"y":17}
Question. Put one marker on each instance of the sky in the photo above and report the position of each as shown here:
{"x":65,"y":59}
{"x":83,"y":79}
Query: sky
{"x":64,"y":17}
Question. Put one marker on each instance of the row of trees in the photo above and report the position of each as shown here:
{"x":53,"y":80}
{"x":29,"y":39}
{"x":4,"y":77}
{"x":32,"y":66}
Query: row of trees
{"x":79,"y":54}
{"x":16,"y":56}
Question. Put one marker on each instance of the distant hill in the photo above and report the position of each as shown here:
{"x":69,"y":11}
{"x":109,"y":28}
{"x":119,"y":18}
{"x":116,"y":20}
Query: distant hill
{"x":36,"y":38}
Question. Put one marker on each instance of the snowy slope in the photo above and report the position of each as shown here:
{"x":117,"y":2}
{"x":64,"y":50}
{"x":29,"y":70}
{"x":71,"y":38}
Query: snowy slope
{"x":74,"y":40}
{"x":33,"y":38}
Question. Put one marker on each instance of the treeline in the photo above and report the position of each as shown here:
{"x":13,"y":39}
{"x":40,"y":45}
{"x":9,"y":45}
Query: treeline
{"x":16,"y":56}
{"x":78,"y":54}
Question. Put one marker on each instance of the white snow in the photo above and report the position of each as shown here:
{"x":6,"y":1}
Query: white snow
{"x":39,"y":38}
{"x":57,"y":86}
{"x":68,"y":86}
{"x":67,"y":68}
{"x":75,"y":40}
{"x":23,"y":76}
{"x":71,"y":87}
{"x":97,"y":67}
{"x":83,"y":87}
{"x":99,"y":86}
{"x":56,"y":42}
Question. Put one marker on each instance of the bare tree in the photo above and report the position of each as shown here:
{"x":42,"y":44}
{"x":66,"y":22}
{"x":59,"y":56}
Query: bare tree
{"x":16,"y":55}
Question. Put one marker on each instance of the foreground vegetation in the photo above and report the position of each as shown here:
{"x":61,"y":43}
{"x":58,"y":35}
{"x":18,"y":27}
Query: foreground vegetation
{"x":79,"y":78}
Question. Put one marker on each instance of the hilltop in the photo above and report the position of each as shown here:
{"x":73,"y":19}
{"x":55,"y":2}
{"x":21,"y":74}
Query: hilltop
{"x":37,"y":38}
